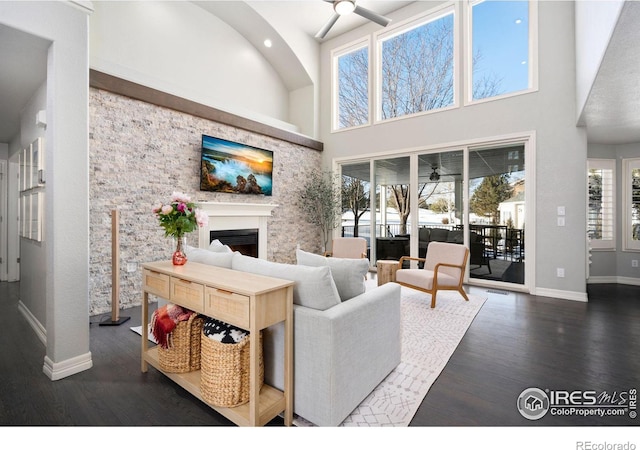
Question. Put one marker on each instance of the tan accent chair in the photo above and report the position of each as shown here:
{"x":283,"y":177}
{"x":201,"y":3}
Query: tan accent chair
{"x":348,"y":247}
{"x":444,"y":268}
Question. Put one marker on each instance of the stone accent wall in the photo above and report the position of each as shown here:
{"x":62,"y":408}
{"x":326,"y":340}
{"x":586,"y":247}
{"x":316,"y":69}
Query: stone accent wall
{"x":139,"y":154}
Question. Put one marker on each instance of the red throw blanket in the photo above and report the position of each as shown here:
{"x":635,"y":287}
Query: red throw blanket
{"x":165,"y":319}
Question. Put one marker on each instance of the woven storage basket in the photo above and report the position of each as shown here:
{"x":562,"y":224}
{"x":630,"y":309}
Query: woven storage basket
{"x":224,"y":374}
{"x":183,"y":354}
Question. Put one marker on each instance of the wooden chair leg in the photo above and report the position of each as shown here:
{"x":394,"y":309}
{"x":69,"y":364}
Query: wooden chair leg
{"x":433,"y":298}
{"x":464,"y":294}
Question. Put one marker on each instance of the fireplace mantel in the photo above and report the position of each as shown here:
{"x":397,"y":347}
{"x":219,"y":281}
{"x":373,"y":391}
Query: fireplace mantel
{"x":223,"y":209}
{"x":236,"y":216}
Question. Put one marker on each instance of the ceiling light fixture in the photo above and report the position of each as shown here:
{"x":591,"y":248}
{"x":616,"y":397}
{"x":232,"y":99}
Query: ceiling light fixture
{"x":343,"y":7}
{"x":268,"y":43}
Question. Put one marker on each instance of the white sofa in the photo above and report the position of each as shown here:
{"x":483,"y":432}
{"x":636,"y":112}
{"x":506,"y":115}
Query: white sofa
{"x":346,"y":340}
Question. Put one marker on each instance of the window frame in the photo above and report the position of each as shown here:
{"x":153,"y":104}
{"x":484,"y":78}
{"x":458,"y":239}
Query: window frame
{"x":628,"y":164}
{"x":336,"y":54}
{"x":468,"y":57}
{"x":462,"y":79}
{"x":406,"y":26}
{"x":604,"y":164}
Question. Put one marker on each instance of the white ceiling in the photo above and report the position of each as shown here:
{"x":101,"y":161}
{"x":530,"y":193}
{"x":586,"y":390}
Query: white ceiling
{"x":612,"y":113}
{"x":22,"y":71}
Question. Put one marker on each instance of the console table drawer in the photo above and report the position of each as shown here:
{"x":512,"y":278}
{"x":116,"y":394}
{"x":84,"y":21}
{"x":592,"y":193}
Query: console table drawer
{"x":227,"y":306}
{"x":187,"y":294}
{"x":156,"y":283}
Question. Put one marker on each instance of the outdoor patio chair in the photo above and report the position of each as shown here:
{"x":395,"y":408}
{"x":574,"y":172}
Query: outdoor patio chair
{"x":444,"y":268}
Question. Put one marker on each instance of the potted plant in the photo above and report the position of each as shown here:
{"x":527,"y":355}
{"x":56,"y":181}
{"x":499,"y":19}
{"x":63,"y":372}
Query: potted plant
{"x":320,"y":203}
{"x":179,"y":217}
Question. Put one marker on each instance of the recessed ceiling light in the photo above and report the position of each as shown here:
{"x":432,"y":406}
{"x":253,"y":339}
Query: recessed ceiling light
{"x":518,"y":21}
{"x":523,"y":62}
{"x":268,"y":43}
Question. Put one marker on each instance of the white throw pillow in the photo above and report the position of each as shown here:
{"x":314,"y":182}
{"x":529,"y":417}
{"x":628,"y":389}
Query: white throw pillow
{"x":347,"y":273}
{"x":202,"y":255}
{"x":314,"y":287}
{"x":217,"y":246}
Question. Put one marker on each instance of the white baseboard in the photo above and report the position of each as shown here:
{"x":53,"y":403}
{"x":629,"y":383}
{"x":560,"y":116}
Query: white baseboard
{"x":56,"y":371}
{"x":613,"y":279}
{"x":37,"y":327}
{"x":565,"y":295}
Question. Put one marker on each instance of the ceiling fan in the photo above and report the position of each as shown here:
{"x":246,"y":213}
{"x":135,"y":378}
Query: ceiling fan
{"x":344,"y":7}
{"x":435,"y":176}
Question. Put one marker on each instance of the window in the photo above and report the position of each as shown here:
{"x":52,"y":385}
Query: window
{"x":601,"y":207}
{"x":631,"y":205}
{"x":417,"y":67}
{"x":414,"y":68}
{"x":351,"y":68}
{"x":500,"y":57}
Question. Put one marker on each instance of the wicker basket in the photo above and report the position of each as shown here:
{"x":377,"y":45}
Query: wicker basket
{"x":183,"y":354}
{"x":224,"y":374}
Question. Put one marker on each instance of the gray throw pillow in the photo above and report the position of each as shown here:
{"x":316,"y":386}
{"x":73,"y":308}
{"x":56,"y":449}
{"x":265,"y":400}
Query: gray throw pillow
{"x":314,"y":287}
{"x":348,"y":274}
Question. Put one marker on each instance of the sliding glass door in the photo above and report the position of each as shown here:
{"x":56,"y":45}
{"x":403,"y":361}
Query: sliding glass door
{"x":472,"y":195}
{"x":393,"y":208}
{"x":497,"y":213}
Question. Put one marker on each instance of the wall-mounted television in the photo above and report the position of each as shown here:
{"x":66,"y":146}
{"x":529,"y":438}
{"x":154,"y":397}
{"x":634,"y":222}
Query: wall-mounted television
{"x":236,"y":168}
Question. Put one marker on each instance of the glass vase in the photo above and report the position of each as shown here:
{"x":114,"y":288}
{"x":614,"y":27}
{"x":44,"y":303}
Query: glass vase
{"x":179,"y":256}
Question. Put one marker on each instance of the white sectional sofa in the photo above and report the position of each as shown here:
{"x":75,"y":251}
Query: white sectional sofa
{"x":346,"y":340}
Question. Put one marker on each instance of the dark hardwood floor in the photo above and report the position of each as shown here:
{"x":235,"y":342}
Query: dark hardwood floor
{"x":516,"y":342}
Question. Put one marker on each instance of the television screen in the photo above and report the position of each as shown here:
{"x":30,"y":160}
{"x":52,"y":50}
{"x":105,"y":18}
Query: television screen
{"x":235,"y":168}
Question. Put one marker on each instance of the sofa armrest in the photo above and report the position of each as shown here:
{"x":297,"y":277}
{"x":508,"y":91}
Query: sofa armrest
{"x":345,"y":352}
{"x":341,"y":354}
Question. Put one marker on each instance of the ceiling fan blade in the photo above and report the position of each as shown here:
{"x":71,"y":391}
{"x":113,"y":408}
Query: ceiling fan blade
{"x":327,"y":26}
{"x":374,"y":17}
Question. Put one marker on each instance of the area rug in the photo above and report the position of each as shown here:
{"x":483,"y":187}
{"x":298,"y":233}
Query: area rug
{"x":138,"y":330}
{"x":429,"y":338}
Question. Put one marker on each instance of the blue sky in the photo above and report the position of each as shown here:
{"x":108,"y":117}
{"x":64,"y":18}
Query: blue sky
{"x":500,"y":33}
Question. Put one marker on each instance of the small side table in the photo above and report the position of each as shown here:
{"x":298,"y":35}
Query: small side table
{"x":386,"y":271}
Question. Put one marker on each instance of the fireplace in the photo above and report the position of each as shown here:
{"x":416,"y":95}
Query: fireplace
{"x":244,"y":241}
{"x":224,"y":217}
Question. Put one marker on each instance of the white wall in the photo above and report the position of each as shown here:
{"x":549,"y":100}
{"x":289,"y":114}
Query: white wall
{"x":33,"y":256}
{"x":66,"y":207}
{"x":4,"y":170}
{"x":179,"y":48}
{"x":550,"y":112}
{"x":615,"y":265}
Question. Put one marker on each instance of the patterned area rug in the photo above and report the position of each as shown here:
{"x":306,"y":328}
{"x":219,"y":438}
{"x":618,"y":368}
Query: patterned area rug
{"x":429,"y":338}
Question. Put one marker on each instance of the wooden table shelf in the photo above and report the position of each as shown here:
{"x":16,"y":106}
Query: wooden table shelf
{"x":252,"y":302}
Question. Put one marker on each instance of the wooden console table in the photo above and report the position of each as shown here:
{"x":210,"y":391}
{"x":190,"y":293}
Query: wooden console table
{"x":251,"y":302}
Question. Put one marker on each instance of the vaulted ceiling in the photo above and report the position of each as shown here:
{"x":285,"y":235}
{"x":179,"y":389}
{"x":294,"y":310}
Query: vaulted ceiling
{"x":611,"y":115}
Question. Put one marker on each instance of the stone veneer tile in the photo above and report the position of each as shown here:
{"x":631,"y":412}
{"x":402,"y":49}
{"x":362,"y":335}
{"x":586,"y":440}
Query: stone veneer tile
{"x":139,"y":154}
